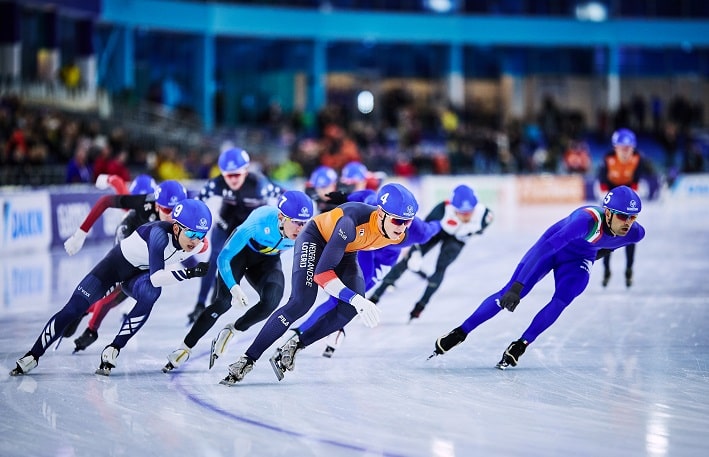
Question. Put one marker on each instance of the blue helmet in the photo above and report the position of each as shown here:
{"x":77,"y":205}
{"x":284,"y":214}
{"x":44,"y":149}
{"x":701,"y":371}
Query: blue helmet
{"x":193,"y":215}
{"x":142,"y":184}
{"x":296,"y":205}
{"x":396,"y":200}
{"x":353,"y":172}
{"x":233,"y":160}
{"x":623,"y":199}
{"x":169,"y":193}
{"x":464,"y":199}
{"x":623,"y":137}
{"x":323,"y":176}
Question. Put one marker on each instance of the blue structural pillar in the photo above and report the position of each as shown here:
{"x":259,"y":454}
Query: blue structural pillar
{"x":126,"y":58}
{"x":318,"y":86}
{"x":204,"y":87}
{"x":613,"y":79}
{"x":10,"y":44}
{"x":456,"y":79}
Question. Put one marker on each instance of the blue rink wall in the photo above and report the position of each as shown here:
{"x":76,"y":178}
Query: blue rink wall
{"x":40,"y":220}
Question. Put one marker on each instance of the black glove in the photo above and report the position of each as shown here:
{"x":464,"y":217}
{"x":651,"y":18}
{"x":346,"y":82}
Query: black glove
{"x":337,"y":197}
{"x":510,"y":299}
{"x":602,"y":253}
{"x":197,"y":271}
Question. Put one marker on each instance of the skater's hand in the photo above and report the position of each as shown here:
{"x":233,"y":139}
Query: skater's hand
{"x":197,"y":271}
{"x":337,"y":197}
{"x":368,"y":311}
{"x":74,"y":243}
{"x":415,"y":260}
{"x":102,"y":181}
{"x":511,"y":298}
{"x":238,"y":297}
{"x":602,"y":253}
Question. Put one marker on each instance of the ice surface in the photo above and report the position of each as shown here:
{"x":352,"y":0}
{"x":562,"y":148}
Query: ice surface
{"x":622,"y":372}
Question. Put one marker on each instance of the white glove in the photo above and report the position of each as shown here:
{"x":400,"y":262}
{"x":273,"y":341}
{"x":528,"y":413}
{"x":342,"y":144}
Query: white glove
{"x":102,"y":181}
{"x":238,"y":297}
{"x":415,"y":261}
{"x":450,"y":224}
{"x":74,"y":243}
{"x":368,"y":311}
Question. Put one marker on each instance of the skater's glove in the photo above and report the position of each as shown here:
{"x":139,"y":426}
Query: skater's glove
{"x":368,"y":311}
{"x":602,"y":253}
{"x":337,"y":197}
{"x":102,"y":181}
{"x":74,"y":243}
{"x":511,"y":298}
{"x":238,"y":297}
{"x":197,"y":271}
{"x":450,"y":224}
{"x":415,"y":260}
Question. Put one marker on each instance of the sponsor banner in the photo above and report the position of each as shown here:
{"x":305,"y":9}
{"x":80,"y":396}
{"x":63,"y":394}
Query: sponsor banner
{"x":27,"y":279}
{"x":70,"y":209}
{"x":25,"y":223}
{"x":691,"y":186}
{"x":550,"y":189}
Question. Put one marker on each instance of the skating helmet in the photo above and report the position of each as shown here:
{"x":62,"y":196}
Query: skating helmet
{"x":371,"y":199}
{"x":169,"y":193}
{"x":233,"y":160}
{"x":353,"y":172}
{"x":624,"y":200}
{"x":193,"y":215}
{"x":367,"y":196}
{"x":323,"y":177}
{"x":296,"y":205}
{"x":142,"y":184}
{"x":623,"y":137}
{"x":464,"y":199}
{"x":396,"y":200}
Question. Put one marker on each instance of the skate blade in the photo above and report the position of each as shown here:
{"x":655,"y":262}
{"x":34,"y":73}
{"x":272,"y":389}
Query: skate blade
{"x":103,"y":371}
{"x":16,"y":372}
{"x":58,"y":343}
{"x":276,"y":368}
{"x":212,"y":356}
{"x":227,"y":382}
{"x":432,"y":355}
{"x":168,"y":368}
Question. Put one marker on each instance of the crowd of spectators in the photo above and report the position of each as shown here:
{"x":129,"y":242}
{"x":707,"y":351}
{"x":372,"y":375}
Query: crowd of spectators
{"x":41,"y":146}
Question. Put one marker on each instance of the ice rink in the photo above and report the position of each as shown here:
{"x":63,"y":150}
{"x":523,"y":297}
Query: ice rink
{"x":623,"y":372}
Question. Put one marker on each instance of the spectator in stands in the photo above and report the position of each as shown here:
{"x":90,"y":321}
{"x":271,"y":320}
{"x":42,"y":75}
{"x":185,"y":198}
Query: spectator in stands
{"x":170,"y":166}
{"x":71,"y":77}
{"x":577,"y":158}
{"x":337,"y":149}
{"x":106,"y":163}
{"x":78,"y":170}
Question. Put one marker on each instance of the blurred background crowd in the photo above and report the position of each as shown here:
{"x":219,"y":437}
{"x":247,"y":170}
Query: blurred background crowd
{"x":50,"y":135}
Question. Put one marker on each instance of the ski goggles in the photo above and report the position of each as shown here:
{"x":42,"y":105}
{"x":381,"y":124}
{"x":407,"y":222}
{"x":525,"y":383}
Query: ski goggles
{"x":624,"y":217}
{"x":193,"y":234}
{"x":297,"y":222}
{"x":398,"y":220}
